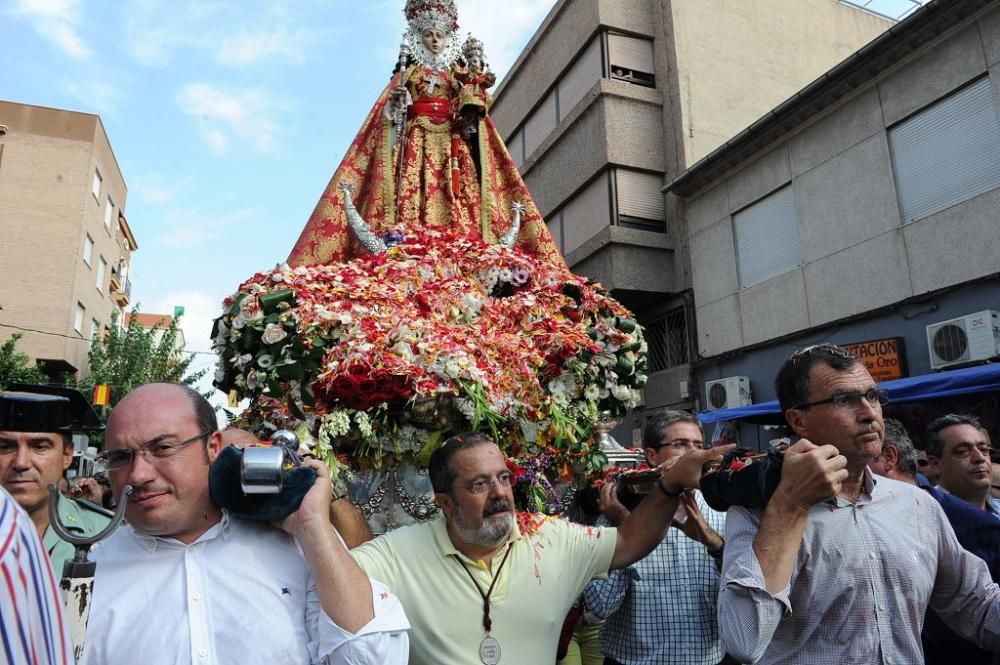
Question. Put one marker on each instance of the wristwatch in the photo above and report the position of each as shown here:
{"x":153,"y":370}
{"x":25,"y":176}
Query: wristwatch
{"x":663,"y":488}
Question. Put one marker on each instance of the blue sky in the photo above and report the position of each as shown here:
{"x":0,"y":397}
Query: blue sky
{"x":227,"y":118}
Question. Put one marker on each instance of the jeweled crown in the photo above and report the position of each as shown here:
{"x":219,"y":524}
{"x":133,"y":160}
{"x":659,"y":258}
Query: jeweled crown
{"x":437,"y":13}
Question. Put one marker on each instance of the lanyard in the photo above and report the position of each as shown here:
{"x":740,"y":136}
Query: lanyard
{"x":487,"y":623}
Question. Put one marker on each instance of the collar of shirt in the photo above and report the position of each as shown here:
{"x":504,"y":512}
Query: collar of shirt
{"x":149,"y":542}
{"x":447,"y":548}
{"x":867,"y":488}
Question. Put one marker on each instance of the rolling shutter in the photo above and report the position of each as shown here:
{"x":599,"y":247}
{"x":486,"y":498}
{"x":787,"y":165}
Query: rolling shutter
{"x":639,"y":195}
{"x":631,"y":53}
{"x":580,"y":78}
{"x":540,"y":125}
{"x":767,"y":238}
{"x":947,"y":153}
{"x":587,"y":214}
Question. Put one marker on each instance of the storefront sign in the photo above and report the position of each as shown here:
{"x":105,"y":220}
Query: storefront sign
{"x":884,"y":358}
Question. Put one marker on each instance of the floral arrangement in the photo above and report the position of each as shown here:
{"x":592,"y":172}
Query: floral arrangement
{"x":389,"y":354}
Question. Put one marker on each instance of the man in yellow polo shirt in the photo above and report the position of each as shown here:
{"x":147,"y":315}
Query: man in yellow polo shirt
{"x":480,"y":585}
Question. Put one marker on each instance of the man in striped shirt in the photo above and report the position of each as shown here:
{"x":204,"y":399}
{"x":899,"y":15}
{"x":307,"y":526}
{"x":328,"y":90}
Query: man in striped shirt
{"x":32,"y":622}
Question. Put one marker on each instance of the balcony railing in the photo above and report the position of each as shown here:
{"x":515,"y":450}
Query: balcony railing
{"x":124,"y":293}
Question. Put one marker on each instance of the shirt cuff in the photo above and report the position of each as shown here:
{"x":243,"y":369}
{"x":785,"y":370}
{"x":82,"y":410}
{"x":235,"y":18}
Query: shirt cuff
{"x":389,"y":618}
{"x":749,"y":575}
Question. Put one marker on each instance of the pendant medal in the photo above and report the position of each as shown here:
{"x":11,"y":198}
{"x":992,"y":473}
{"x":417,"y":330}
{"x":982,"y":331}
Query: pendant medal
{"x":489,"y":650}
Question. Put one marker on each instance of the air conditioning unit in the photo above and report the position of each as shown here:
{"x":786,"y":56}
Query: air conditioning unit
{"x":964,"y":340}
{"x":728,"y":392}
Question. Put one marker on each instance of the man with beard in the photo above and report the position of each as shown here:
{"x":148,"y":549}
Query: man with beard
{"x":839,"y":567}
{"x":479,"y":584}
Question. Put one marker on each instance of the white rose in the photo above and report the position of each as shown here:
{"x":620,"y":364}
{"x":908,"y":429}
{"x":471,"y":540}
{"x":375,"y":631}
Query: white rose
{"x":273,"y":334}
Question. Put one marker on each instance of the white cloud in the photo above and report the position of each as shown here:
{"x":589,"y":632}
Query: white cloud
{"x":191,"y":229}
{"x":245,"y":113}
{"x":200,"y":311}
{"x":504,"y":27}
{"x":184,"y":237}
{"x":249,"y":47}
{"x":56,"y":21}
{"x":234,"y":35}
{"x":96,"y":93}
{"x":216,"y":141}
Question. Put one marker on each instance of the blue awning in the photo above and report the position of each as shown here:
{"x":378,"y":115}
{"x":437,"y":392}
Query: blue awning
{"x":951,"y":383}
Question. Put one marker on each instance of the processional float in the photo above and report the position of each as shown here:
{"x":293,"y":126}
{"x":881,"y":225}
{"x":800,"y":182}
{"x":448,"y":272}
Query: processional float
{"x":424,"y":298}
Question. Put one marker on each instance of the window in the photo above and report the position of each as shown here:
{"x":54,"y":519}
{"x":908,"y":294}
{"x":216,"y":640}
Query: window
{"x":95,"y":187}
{"x":109,"y":213}
{"x":640,"y":203}
{"x":587,"y":213}
{"x":767,"y":238}
{"x":81,"y":313}
{"x":540,"y":124}
{"x":947,"y":153}
{"x":580,"y":78}
{"x":555,"y":224}
{"x":102,"y":267}
{"x":516,"y":147}
{"x":667,"y":339}
{"x":631,"y":59}
{"x":95,"y":329}
{"x":88,"y":249}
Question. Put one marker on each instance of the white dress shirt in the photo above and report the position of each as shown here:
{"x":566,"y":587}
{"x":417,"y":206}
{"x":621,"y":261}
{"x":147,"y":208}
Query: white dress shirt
{"x":242,"y":594}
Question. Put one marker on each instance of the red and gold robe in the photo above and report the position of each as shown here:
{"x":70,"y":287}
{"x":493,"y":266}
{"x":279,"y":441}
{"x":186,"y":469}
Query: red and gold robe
{"x":480,"y":204}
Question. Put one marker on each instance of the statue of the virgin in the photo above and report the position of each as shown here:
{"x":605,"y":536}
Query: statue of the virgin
{"x":428,"y":154}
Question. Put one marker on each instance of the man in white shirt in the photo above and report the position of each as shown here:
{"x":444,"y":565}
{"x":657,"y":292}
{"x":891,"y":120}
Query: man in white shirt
{"x":185,"y":582}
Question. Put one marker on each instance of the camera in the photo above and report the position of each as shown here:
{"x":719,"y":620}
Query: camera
{"x":263,"y":467}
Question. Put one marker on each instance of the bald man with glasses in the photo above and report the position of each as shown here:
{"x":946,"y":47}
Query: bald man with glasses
{"x":186,"y":582}
{"x":840,"y":566}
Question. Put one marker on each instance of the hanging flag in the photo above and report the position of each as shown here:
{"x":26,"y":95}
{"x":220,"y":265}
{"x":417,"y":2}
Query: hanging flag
{"x":102,"y":395}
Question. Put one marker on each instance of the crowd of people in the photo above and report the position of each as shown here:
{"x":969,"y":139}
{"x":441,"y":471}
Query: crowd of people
{"x":858,"y":543}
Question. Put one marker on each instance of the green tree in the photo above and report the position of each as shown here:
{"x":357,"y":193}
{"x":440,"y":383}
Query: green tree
{"x":129,"y":356}
{"x":16,"y":367}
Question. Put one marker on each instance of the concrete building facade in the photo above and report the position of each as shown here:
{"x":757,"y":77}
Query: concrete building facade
{"x":863,"y":209}
{"x":65,"y":244}
{"x":611,"y":99}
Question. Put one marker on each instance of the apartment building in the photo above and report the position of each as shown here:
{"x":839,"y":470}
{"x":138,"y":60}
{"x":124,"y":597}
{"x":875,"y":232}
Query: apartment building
{"x":862,"y":212}
{"x":65,"y":244}
{"x":612,"y":99}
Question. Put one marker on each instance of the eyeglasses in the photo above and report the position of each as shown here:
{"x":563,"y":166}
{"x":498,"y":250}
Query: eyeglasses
{"x":679,"y":443}
{"x":922,"y":462}
{"x":153,"y":452}
{"x":850,"y":401}
{"x":483,"y":485}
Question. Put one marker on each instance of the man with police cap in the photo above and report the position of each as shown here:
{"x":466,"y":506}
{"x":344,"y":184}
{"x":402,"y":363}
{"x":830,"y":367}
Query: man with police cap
{"x":36,"y":448}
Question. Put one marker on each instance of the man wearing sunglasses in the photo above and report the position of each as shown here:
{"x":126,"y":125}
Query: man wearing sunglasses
{"x":185,"y":582}
{"x":840,"y":566}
